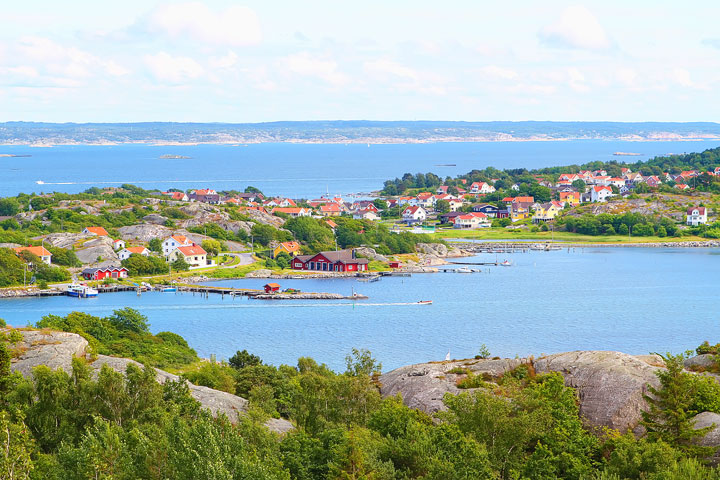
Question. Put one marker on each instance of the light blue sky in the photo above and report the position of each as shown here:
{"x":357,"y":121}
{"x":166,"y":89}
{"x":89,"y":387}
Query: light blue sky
{"x":229,"y":61}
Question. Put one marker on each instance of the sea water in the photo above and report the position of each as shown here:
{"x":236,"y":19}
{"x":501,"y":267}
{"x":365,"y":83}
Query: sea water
{"x":634,"y":300}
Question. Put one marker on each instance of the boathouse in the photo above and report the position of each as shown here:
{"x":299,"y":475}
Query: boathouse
{"x":340,"y":261}
{"x":271,"y":287}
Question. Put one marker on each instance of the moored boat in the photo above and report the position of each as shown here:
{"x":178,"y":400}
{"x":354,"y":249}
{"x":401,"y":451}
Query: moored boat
{"x":81,"y":291}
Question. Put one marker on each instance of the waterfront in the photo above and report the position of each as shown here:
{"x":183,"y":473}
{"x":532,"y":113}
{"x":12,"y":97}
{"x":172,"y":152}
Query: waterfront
{"x":294,"y":170}
{"x":635,"y":300}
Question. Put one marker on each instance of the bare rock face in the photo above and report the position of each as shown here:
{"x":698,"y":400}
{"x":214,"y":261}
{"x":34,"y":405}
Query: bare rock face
{"x":261,"y":273}
{"x":155,"y":219}
{"x":266,"y":218}
{"x":370,"y":253}
{"x":423,"y":386}
{"x":712,"y":438}
{"x":700,"y":362}
{"x":144,"y":232}
{"x":435,"y":249}
{"x":98,"y":247}
{"x":56,"y":350}
{"x":610,"y":385}
{"x":66,"y":240}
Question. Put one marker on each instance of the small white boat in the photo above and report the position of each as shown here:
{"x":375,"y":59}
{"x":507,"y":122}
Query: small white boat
{"x":425,"y":302}
{"x":506,"y":263}
{"x":463,"y":270}
{"x":81,"y":291}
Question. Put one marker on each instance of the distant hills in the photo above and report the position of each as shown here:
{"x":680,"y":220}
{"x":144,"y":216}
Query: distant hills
{"x":347,"y":132}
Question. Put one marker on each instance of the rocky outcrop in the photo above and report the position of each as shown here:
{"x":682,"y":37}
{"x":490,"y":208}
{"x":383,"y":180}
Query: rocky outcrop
{"x":66,"y":240}
{"x":155,"y":219}
{"x":97,"y":247}
{"x":700,"y":362}
{"x":144,"y":232}
{"x":610,"y":385}
{"x":712,"y":438}
{"x":57,"y":349}
{"x":439,"y":250}
{"x":266,"y":218}
{"x":371,"y":254}
{"x":423,"y":386}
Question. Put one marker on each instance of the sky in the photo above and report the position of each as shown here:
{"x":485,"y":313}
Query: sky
{"x":257,"y":61}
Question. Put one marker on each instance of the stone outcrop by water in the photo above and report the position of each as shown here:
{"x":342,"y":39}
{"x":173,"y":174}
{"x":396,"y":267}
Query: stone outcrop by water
{"x":56,"y":350}
{"x":610,"y":385}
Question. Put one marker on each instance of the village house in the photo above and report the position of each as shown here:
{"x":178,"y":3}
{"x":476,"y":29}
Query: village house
{"x":40,"y":252}
{"x":416,"y":214}
{"x":696,"y":216}
{"x":291,"y":248}
{"x":486,"y":208}
{"x":600,"y":193}
{"x":174,"y":241}
{"x":572,"y":198}
{"x":100,"y":273}
{"x":293,"y":211}
{"x":426,"y":200}
{"x":364,"y":205}
{"x":126,"y":252}
{"x":194,"y":255}
{"x":339,"y":261}
{"x":472,"y":220}
{"x":118,"y":244}
{"x":99,"y":231}
{"x":330,"y":210}
{"x":204,"y":196}
{"x":653,"y":181}
{"x":449,"y":217}
{"x":367,"y":214}
{"x":280,"y":202}
{"x":682,"y":186}
{"x":177,"y":196}
{"x":546,"y":212}
{"x":481,"y":188}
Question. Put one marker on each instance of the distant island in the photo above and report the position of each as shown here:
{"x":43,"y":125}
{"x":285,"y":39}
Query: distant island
{"x":341,"y":132}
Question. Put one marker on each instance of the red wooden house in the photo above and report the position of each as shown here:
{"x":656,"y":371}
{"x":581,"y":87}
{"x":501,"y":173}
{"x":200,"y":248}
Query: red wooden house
{"x":104,"y":272}
{"x":271,"y":287}
{"x":340,"y":261}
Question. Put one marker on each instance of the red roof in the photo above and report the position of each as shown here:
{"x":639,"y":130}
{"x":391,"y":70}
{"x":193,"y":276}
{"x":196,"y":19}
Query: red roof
{"x":330,"y":207}
{"x":600,"y":188}
{"x":291,"y":246}
{"x":182,"y":239}
{"x":701,"y":210}
{"x":139,"y":250}
{"x":39,"y":251}
{"x":192,"y":250}
{"x":99,"y":231}
{"x":331,"y":223}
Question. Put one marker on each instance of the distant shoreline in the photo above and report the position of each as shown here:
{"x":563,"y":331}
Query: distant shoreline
{"x":368,"y":141}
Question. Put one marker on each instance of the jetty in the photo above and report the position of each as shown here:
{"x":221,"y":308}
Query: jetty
{"x":262,"y":295}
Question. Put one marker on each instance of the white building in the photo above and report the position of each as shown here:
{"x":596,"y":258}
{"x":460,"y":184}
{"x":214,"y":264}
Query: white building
{"x":194,"y":255}
{"x":414,"y":214}
{"x":600,"y":193}
{"x":696,"y":216}
{"x":118,"y":244}
{"x":126,"y":252}
{"x":173,"y":242}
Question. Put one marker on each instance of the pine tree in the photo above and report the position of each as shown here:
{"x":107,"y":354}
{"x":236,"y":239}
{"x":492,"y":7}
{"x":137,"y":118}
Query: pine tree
{"x":670,"y":416}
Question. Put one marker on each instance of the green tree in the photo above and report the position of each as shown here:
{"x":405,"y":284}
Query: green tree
{"x":212,"y":247}
{"x":442,"y":206}
{"x":155,"y":245}
{"x":669,"y":415}
{"x":9,"y":207}
{"x":243,"y":359}
{"x":180,"y":265}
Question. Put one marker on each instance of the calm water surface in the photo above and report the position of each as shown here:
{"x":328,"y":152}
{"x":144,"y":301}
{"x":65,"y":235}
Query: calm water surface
{"x":635,"y":300}
{"x":294,"y":170}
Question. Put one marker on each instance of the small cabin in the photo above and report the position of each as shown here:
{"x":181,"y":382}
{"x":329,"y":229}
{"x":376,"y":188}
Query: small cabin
{"x":395,"y":265}
{"x":271,"y":287}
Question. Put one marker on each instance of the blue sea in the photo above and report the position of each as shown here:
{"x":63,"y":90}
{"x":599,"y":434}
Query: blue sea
{"x":635,"y":300}
{"x":293,"y":170}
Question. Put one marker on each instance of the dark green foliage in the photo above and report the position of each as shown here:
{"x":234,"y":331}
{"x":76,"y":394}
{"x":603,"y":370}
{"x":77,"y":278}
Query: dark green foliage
{"x":155,"y":245}
{"x":125,"y":334}
{"x":9,"y":207}
{"x":670,"y":408}
{"x":264,"y":234}
{"x":244,"y":359}
{"x":312,"y":232}
{"x":354,"y":233}
{"x":141,"y":265}
{"x":65,"y":257}
{"x":180,"y":265}
{"x":11,"y":268}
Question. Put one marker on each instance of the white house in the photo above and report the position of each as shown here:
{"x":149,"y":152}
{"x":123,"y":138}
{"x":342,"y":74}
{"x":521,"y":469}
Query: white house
{"x":194,"y":255}
{"x":471,"y":221}
{"x":600,"y":193}
{"x":696,"y":216}
{"x":126,"y":252}
{"x":414,"y":214}
{"x":173,"y":242}
{"x":41,"y":252}
{"x":366,"y":215}
{"x":481,"y":187}
{"x":118,"y":244}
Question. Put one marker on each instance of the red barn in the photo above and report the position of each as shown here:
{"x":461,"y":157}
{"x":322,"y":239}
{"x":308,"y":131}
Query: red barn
{"x":341,"y":261}
{"x":104,"y":272}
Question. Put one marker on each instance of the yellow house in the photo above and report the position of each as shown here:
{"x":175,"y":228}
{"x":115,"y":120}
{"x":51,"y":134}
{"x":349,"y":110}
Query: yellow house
{"x":291,"y":248}
{"x":546,"y":212}
{"x":572,"y":198}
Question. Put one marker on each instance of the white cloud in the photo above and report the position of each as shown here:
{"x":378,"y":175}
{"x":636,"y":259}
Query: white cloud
{"x":306,"y":65}
{"x":499,"y":72}
{"x":226,"y":61}
{"x":384,"y":66}
{"x":235,"y":26}
{"x":170,"y":69}
{"x":577,"y":27}
{"x":576,"y":80}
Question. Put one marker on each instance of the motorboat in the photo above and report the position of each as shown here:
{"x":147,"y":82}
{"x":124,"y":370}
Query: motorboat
{"x":81,"y":291}
{"x":463,"y":270}
{"x":506,"y":263}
